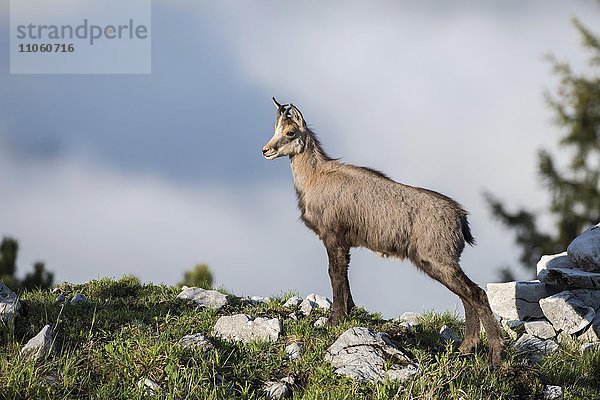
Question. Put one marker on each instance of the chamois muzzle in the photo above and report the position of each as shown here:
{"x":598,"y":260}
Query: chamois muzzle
{"x":269,"y":152}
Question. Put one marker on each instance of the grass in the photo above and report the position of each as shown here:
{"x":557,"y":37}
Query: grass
{"x":128,"y":331}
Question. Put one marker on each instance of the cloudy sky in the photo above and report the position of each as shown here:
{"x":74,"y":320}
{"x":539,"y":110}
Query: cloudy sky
{"x":104,"y":175}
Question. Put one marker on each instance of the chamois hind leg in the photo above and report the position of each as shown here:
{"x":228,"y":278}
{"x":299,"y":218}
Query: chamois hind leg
{"x":350,"y":301}
{"x":339,"y":259}
{"x":472,"y":325}
{"x":453,"y":277}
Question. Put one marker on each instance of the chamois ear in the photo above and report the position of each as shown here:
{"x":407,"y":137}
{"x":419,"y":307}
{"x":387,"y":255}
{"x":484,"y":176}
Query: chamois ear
{"x":297,"y":116}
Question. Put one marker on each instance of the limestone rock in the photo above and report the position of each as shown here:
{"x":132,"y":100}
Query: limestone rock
{"x":361,"y":354}
{"x":78,"y":298}
{"x":552,"y":392}
{"x":276,"y":390}
{"x":533,"y":348}
{"x":294,"y":350}
{"x":560,"y":260}
{"x":40,"y":345}
{"x":567,"y":312}
{"x":10,"y":306}
{"x":196,"y":340}
{"x":242,"y":328}
{"x":410,"y":319}
{"x":592,"y":333}
{"x":313,"y":301}
{"x":584,"y":250}
{"x":518,"y":300}
{"x":293,"y":301}
{"x":320,"y":322}
{"x":204,"y":297}
{"x":540,"y":329}
{"x":61,"y":298}
{"x":150,"y":387}
{"x":256,"y":300}
{"x":590,"y":298}
{"x":448,"y":335}
{"x":569,"y":278}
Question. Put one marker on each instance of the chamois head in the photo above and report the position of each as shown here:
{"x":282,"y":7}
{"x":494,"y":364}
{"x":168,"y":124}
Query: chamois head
{"x":290,"y":133}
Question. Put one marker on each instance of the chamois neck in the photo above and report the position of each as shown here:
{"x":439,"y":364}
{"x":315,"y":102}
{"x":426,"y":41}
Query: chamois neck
{"x":309,"y":161}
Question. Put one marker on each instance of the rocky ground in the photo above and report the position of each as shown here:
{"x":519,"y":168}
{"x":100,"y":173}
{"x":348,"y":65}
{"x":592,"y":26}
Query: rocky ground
{"x":563,"y":304}
{"x":123,"y":340}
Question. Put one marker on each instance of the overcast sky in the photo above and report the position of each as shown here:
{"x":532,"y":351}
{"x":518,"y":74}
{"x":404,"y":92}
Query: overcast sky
{"x":149,"y":174}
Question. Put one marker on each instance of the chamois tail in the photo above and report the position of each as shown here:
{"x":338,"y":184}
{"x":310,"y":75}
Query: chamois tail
{"x":466,"y":230}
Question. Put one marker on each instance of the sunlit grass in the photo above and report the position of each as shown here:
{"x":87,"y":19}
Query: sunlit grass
{"x":128,"y":331}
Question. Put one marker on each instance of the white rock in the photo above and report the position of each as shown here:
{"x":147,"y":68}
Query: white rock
{"x":552,"y":392}
{"x":533,"y":348}
{"x":569,"y":278}
{"x":362,"y":354}
{"x":276,"y":390}
{"x":293,"y":316}
{"x":78,"y":298}
{"x":196,"y":340}
{"x":312,"y":301}
{"x":540,"y":329}
{"x":584,"y":250}
{"x":294,"y":350}
{"x":242,"y":328}
{"x":322,"y":301}
{"x":61,"y":298}
{"x":589,"y":347}
{"x":518,"y":300}
{"x":293,"y":301}
{"x":592,"y":333}
{"x":514,"y":324}
{"x":150,"y":387}
{"x":255,"y":300}
{"x":410,"y":318}
{"x":589,"y":297}
{"x":448,"y":335}
{"x":560,"y":260}
{"x":320,"y":322}
{"x":567,"y":312}
{"x":10,"y":306}
{"x":40,"y":345}
{"x":204,"y":298}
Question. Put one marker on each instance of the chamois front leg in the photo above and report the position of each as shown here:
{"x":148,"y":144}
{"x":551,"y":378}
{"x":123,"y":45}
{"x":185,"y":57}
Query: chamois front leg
{"x":339,"y":258}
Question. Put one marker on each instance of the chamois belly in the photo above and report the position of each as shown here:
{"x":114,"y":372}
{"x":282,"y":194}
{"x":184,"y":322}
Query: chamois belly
{"x":386,"y":235}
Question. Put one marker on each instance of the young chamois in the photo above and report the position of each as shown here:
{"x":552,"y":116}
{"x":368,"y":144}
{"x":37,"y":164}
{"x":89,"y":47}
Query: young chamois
{"x":349,"y":206}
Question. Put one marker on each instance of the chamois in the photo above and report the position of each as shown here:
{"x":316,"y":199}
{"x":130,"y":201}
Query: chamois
{"x":349,"y":206}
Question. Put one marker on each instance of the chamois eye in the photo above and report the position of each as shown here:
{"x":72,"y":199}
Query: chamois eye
{"x":290,"y":133}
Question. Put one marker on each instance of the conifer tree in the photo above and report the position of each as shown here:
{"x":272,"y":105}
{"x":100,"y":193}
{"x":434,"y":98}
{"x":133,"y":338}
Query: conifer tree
{"x":574,"y":188}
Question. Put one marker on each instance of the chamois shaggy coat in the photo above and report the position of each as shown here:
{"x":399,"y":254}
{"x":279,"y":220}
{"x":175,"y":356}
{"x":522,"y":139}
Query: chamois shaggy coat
{"x":349,"y":206}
